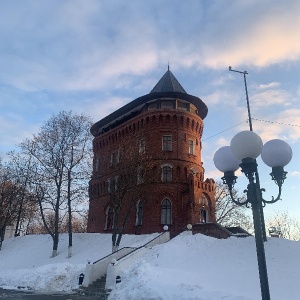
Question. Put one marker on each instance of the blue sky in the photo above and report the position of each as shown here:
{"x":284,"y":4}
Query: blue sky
{"x":95,"y":56}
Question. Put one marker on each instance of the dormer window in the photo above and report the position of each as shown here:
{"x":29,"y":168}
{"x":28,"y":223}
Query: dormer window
{"x":183,"y":106}
{"x":167,"y":104}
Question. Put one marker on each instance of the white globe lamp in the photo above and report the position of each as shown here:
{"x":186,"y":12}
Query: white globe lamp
{"x":225,"y":161}
{"x":246,"y":144}
{"x":276,"y":153}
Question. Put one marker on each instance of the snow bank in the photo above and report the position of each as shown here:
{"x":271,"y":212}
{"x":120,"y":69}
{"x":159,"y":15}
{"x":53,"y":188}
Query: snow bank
{"x":25,"y":261}
{"x":186,"y":268}
{"x":203,"y":268}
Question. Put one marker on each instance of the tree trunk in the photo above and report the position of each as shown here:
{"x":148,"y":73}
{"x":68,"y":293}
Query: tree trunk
{"x":54,"y":253}
{"x":56,"y":231}
{"x":69,"y":251}
{"x":2,"y":233}
{"x":70,"y":216}
{"x":17,"y":232}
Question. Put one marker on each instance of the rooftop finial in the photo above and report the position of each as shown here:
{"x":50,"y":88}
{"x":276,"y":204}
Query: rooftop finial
{"x":168,"y":66}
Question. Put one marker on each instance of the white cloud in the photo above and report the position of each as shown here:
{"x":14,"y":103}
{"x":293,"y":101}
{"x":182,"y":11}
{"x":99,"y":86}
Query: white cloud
{"x":270,"y":97}
{"x":269,"y":85}
{"x":284,"y":125}
{"x":295,"y":174}
{"x":253,"y":33}
{"x":90,"y":44}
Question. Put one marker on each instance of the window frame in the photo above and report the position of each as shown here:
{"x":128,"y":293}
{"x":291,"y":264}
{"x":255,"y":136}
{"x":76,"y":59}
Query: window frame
{"x":192,"y":147}
{"x":167,"y":141}
{"x":109,"y":213}
{"x":142,"y":146}
{"x":139,"y":213}
{"x":166,"y":212}
{"x":166,"y":173}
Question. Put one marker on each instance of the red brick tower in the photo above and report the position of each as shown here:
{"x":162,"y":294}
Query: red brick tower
{"x":168,"y":124}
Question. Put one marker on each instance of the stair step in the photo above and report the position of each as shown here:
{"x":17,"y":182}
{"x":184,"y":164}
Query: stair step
{"x":97,"y":288}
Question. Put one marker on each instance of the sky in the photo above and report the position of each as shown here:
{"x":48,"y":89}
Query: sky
{"x":214,"y":269}
{"x":95,"y":56}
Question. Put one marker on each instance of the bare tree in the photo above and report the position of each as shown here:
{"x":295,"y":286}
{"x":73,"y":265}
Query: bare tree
{"x":285,"y":225}
{"x":19,"y":166}
{"x":10,"y":198}
{"x":134,"y":173}
{"x":227,"y":212}
{"x":79,"y":224}
{"x":59,"y":154}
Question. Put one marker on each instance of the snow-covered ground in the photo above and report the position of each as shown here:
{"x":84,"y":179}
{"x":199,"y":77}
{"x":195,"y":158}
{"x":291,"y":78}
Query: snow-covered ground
{"x":26,"y":262}
{"x":188,"y":267}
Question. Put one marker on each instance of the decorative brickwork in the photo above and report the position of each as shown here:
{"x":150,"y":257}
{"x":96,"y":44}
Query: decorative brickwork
{"x":167,"y":130}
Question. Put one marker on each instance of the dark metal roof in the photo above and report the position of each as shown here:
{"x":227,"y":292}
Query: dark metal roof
{"x":168,"y":83}
{"x":167,"y":87}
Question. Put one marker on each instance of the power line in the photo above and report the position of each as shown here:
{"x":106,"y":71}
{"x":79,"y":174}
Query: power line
{"x":267,"y":121}
{"x":224,"y":130}
{"x":246,"y":121}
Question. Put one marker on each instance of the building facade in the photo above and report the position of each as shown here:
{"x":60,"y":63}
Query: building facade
{"x":165,"y":128}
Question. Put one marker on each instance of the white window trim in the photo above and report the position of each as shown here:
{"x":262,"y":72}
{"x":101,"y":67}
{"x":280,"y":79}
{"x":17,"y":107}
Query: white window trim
{"x":193,"y":147}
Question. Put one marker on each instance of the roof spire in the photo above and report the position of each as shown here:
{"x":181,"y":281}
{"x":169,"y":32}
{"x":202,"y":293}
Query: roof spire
{"x":168,"y":83}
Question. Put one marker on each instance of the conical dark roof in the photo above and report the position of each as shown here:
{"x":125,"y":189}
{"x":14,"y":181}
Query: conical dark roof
{"x":167,"y":87}
{"x":168,"y":83}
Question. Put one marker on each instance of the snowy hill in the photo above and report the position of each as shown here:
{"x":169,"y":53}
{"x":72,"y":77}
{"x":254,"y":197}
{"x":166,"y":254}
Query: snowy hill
{"x":188,"y":267}
{"x":25,"y":261}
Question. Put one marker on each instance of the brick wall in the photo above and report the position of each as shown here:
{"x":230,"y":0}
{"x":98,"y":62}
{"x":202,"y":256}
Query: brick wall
{"x":188,"y":192}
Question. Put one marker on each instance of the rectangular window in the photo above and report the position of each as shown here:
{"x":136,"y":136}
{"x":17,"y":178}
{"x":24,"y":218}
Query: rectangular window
{"x":167,"y":104}
{"x":119,"y":156}
{"x":109,"y":186}
{"x":142,"y":146}
{"x":166,"y":212}
{"x":112,"y":158}
{"x":117,"y":182}
{"x":140,"y":175}
{"x":191,"y":147}
{"x":152,"y":105}
{"x":139,"y":213}
{"x":166,"y":174}
{"x":167,"y":143}
{"x":183,"y":106}
{"x":97,"y":167}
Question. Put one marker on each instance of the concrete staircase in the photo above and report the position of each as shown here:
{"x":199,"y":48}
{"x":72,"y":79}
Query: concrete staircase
{"x":96,"y":290}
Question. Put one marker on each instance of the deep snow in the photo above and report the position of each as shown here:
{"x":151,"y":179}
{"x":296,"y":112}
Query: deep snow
{"x":26,"y":261}
{"x":188,"y":267}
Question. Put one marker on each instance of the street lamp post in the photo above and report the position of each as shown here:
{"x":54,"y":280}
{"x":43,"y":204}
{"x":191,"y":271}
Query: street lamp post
{"x":244,"y":148}
{"x":251,"y":129}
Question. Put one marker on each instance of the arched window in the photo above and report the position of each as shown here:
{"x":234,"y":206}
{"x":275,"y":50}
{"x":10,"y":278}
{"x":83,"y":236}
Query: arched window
{"x":166,"y":212}
{"x":108,"y":218}
{"x":166,"y":173}
{"x":139,"y":213}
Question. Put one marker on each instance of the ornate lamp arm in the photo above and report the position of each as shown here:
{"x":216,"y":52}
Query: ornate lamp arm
{"x":236,"y":201}
{"x":230,"y":179}
{"x":273,"y":199}
{"x":278,"y":175}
